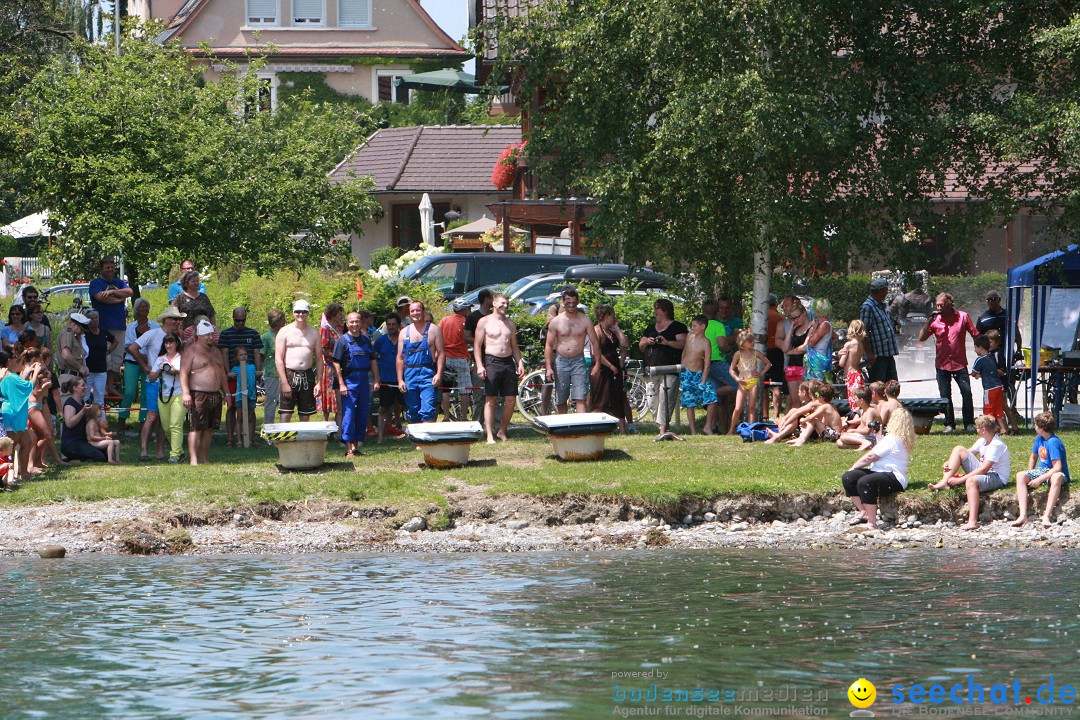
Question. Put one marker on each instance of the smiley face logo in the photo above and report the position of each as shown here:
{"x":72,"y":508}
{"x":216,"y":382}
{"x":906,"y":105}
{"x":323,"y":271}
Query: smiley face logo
{"x":862,"y":693}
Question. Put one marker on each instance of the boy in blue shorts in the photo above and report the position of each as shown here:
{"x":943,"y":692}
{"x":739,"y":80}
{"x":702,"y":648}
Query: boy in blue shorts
{"x":1047,"y":464}
{"x":695,"y":390}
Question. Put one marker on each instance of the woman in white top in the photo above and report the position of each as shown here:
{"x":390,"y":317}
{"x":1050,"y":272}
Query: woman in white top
{"x":164,"y":378}
{"x":883,"y":470}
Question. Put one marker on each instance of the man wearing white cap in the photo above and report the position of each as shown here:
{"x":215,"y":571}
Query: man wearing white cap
{"x":204,"y":384}
{"x":70,"y":352}
{"x":298,"y":356}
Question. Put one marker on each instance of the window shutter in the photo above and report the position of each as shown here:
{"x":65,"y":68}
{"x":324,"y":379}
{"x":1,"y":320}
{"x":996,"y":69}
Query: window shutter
{"x":354,"y":13}
{"x":307,"y":12}
{"x":386,"y":84}
{"x":262,"y":12}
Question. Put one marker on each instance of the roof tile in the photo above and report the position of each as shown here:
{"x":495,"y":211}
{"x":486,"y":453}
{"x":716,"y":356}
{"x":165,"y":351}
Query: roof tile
{"x":448,"y":158}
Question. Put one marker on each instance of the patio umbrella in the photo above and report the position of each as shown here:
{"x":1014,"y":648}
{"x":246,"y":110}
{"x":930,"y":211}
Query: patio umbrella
{"x":445,"y":79}
{"x":427,"y":220}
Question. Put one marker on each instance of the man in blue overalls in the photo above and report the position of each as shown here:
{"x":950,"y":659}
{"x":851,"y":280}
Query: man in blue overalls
{"x":420,"y":361}
{"x":352,"y":363}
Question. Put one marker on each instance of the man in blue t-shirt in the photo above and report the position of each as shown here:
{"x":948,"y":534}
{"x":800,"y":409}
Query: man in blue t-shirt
{"x":390,"y":397}
{"x":1047,"y":464}
{"x":109,"y":295}
{"x":175,"y":289}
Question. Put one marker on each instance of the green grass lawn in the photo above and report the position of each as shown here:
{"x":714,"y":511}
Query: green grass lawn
{"x":634,"y":468}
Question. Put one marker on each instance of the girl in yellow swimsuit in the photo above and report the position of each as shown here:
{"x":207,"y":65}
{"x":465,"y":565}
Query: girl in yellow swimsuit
{"x":748,"y":366}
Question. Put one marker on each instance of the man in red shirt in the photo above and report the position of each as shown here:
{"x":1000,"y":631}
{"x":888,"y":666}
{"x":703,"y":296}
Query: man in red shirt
{"x":457,"y":373}
{"x":950,"y":328}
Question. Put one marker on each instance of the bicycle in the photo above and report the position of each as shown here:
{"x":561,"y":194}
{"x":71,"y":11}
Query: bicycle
{"x":535,"y":393}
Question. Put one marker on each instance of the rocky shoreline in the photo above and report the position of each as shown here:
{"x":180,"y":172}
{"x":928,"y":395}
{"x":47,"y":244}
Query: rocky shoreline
{"x":475,"y":522}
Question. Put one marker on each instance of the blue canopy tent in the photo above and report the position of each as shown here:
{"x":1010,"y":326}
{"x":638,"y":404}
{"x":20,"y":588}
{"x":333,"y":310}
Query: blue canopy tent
{"x":1057,"y":269}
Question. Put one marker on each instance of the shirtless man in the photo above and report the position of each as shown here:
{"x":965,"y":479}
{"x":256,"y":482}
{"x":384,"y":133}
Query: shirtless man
{"x":299,"y":360}
{"x":204,"y":384}
{"x":495,"y":349}
{"x":564,"y":353}
{"x":420,"y":360}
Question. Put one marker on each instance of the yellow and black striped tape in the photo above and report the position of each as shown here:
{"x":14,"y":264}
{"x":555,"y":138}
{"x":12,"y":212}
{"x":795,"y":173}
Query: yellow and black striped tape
{"x":282,"y":436}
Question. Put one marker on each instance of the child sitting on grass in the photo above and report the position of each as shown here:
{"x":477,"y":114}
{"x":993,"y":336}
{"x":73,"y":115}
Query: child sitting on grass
{"x":1047,"y":464}
{"x":98,"y":435}
{"x":695,"y":390}
{"x":748,"y":366}
{"x":862,"y":430}
{"x":790,"y":422}
{"x":985,"y":467}
{"x":7,"y":463}
{"x":824,"y":421}
{"x":891,"y":394}
{"x":986,"y":370}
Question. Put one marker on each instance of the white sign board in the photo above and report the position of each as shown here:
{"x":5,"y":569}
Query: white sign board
{"x":1060,"y":321}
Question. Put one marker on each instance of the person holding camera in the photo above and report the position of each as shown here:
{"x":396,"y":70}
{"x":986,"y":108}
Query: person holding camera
{"x":165,"y":372}
{"x":950,"y":327}
{"x":662,"y":343}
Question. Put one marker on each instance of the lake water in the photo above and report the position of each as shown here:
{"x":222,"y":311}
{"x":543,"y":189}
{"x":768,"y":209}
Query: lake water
{"x":546,"y":635}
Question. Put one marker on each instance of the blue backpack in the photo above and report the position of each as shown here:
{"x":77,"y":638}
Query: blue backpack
{"x":755,"y":432}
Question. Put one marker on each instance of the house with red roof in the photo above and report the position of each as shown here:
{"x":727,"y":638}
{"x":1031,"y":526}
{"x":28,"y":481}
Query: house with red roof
{"x":359,"y":46}
{"x":451,"y":163}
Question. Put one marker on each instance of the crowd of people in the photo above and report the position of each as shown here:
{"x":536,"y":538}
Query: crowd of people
{"x":183,"y":372}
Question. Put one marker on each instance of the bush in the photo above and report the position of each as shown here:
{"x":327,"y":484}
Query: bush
{"x":384,"y":256}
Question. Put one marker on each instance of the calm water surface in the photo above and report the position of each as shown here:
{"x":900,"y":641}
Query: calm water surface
{"x":522,"y":636}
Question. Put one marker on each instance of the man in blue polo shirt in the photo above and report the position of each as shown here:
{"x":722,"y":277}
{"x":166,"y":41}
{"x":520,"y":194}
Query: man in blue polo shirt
{"x":108,"y":295}
{"x":175,"y":289}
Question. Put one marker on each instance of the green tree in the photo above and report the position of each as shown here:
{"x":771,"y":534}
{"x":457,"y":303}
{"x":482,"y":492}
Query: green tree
{"x":31,"y":33}
{"x":137,"y":155}
{"x":817,"y":128}
{"x":1040,"y":124}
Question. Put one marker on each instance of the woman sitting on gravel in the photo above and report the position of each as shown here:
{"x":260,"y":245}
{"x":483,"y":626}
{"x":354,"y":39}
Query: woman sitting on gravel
{"x":883,"y":470}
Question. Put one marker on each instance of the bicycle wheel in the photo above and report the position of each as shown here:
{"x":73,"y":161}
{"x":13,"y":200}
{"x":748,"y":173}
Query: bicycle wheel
{"x":638,"y":396}
{"x":530,"y":399}
{"x":455,"y":412}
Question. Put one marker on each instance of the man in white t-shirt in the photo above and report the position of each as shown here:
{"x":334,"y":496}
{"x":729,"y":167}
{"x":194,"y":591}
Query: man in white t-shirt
{"x":985,"y":467}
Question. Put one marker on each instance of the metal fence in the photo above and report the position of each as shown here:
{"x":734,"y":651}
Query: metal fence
{"x":19,"y":270}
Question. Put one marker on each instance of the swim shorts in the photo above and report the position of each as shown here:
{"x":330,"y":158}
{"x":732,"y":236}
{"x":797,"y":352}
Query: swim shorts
{"x":501,"y":380}
{"x":693,"y":391}
{"x":205,"y":410}
{"x":302,"y":398}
